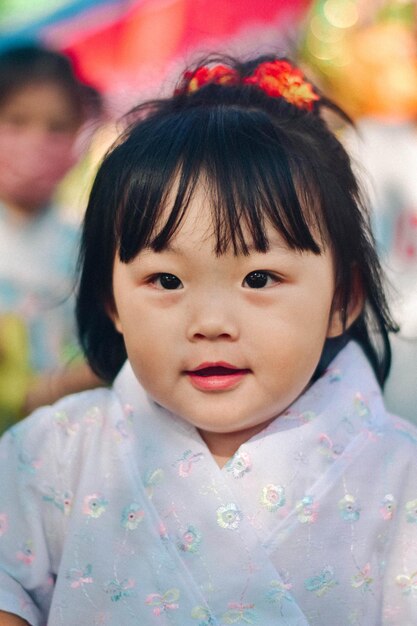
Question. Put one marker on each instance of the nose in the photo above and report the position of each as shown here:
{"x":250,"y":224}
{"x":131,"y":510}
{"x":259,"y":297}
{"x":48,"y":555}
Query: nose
{"x":37,"y":134}
{"x":212,"y":318}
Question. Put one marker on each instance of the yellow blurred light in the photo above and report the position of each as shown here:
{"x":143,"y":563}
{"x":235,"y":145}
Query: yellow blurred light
{"x":324,"y":31}
{"x":341,"y":13}
{"x":342,"y":59}
{"x":320,"y":49}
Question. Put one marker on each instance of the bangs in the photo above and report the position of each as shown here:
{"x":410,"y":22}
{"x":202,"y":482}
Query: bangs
{"x":244,"y":163}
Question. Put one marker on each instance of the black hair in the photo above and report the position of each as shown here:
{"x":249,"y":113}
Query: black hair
{"x":33,"y":63}
{"x":264,"y":160}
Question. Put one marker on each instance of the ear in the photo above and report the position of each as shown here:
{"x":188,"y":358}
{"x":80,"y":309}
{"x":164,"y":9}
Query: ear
{"x":354,"y":309}
{"x":111,"y":311}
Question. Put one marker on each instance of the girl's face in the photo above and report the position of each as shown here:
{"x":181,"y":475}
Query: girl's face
{"x":38,"y":126}
{"x":227,"y":342}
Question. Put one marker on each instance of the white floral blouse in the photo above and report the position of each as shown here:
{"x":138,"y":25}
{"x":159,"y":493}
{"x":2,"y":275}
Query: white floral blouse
{"x":113,"y":512}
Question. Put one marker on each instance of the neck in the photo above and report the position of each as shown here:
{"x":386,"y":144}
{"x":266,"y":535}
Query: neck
{"x":22,"y":214}
{"x":224,"y":445}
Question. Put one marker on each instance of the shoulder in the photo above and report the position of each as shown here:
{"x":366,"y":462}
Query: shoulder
{"x":53,"y":236}
{"x":59,"y":228}
{"x":69,"y":232}
{"x":62,"y":433}
{"x":394,"y":453}
{"x":103,"y":414}
{"x":402,"y":435}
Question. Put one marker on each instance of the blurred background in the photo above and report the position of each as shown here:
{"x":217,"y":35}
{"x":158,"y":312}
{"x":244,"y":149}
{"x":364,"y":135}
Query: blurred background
{"x":362,"y":53}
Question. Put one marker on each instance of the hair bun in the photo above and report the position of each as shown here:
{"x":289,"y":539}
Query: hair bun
{"x":277,"y":78}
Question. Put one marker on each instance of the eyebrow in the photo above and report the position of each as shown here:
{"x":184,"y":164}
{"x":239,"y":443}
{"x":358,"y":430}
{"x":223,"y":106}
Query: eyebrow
{"x":272,"y":242}
{"x":168,"y":247}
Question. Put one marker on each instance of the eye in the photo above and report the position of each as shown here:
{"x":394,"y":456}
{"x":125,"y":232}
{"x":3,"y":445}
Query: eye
{"x":260,"y":279}
{"x":16,"y":121}
{"x":60,"y":127}
{"x":166,"y":281}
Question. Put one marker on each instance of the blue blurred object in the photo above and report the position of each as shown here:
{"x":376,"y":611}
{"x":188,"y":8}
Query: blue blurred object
{"x":18,"y":25}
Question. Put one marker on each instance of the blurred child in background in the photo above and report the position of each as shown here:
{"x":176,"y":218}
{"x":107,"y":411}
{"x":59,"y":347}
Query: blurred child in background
{"x":42,"y":109}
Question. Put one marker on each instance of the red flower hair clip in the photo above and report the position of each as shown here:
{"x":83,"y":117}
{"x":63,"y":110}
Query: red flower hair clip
{"x":278,"y":79}
{"x":218,"y":74}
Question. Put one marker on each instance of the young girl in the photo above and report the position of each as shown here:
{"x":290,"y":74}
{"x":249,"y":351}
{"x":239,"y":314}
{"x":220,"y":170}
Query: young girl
{"x":42,"y":108}
{"x":242,"y":468}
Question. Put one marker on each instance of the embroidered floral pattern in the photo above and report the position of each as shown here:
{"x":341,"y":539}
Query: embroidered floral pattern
{"x":190,"y":540}
{"x":93,"y":416}
{"x":62,"y":500}
{"x":162,"y":531}
{"x":132,"y":516}
{"x":407,"y":584}
{"x":26,"y":554}
{"x":28,"y":463}
{"x":272,"y":497}
{"x":279,"y":591}
{"x":306,"y":510}
{"x":128,"y":411}
{"x":334,"y":374}
{"x":4,"y":524}
{"x":411,"y":511}
{"x":62,"y":420}
{"x":121,"y":430}
{"x":361,"y":406}
{"x":388,"y":507}
{"x":322,"y":582}
{"x":328,"y":448}
{"x":238,"y":613}
{"x":239,"y":464}
{"x":349,"y":509}
{"x":186,"y":462}
{"x":406,"y":430}
{"x":152,"y":479}
{"x":229,"y":516}
{"x":163,"y":602}
{"x":204,"y":615}
{"x":78,"y":577}
{"x":362,"y":580}
{"x":94,"y":505}
{"x":118,"y":590}
{"x":307,"y":416}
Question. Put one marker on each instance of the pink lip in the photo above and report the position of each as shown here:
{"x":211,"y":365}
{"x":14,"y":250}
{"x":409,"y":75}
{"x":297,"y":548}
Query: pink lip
{"x":217,"y":376}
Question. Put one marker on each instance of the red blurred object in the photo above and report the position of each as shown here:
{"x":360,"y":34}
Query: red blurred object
{"x":134,"y":49}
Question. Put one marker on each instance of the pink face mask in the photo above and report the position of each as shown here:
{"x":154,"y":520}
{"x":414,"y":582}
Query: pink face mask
{"x":32,"y":164}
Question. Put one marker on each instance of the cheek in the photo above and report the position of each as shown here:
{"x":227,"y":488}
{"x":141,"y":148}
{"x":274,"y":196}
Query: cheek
{"x":154,"y":368}
{"x":146,"y":358}
{"x":150,"y":343}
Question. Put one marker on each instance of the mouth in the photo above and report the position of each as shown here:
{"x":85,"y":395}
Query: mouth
{"x":216,"y":376}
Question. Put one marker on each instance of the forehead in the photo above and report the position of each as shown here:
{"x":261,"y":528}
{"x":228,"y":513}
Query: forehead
{"x":200,"y":224}
{"x":232,"y":178}
{"x":40,"y":101}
